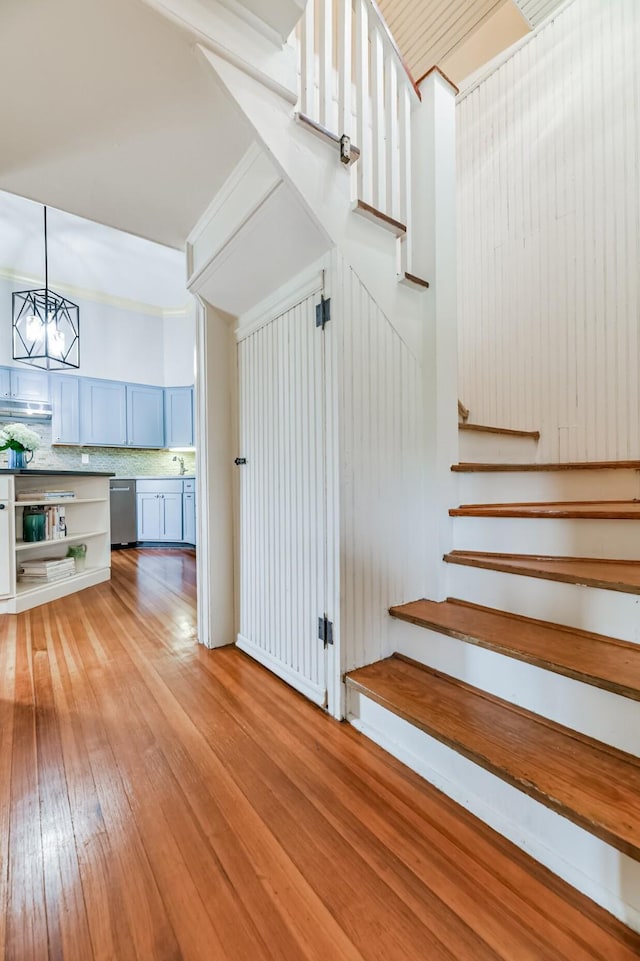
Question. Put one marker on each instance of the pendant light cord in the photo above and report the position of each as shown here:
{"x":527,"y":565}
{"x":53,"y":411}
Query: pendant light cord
{"x":46,"y":271}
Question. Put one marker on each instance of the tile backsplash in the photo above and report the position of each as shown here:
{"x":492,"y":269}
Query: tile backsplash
{"x":125,"y":462}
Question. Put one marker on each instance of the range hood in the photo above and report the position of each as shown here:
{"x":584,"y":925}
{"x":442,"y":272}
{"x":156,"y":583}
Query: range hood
{"x":11,"y":409}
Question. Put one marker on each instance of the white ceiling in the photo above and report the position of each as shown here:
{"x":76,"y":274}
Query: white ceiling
{"x":107,"y":112}
{"x":86,"y":255}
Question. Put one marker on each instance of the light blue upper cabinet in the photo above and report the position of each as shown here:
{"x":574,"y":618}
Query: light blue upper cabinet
{"x":65,"y":401}
{"x":30,"y":384}
{"x":178,"y":417}
{"x":24,"y":384}
{"x":5,"y":382}
{"x":145,"y":416}
{"x":103,"y":413}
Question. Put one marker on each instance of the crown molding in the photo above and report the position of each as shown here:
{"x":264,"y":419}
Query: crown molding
{"x":96,"y":296}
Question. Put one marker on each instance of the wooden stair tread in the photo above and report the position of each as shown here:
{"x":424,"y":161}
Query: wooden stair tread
{"x":468,"y":467}
{"x":604,"y":662}
{"x":612,"y":575}
{"x":484,"y":428}
{"x":606,"y":510}
{"x":590,"y":783}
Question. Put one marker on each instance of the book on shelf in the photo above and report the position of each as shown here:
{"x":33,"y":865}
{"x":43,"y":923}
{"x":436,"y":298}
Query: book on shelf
{"x":56,"y":522}
{"x":45,"y":495}
{"x":44,"y":570}
{"x":46,"y":578}
{"x":46,"y":563}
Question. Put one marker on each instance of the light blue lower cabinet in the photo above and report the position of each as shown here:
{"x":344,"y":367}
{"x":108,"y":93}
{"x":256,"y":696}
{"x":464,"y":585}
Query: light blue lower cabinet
{"x":189,"y":518}
{"x":160,"y":509}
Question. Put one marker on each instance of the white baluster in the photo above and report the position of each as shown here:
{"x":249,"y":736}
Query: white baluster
{"x":325,"y":54}
{"x":345,"y":79}
{"x":363,"y":88}
{"x":405,"y":172}
{"x":391,"y":136}
{"x":308,"y":62}
{"x":377,"y":120}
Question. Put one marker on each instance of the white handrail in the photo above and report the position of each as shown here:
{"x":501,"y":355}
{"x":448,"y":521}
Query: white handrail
{"x":353,"y":81}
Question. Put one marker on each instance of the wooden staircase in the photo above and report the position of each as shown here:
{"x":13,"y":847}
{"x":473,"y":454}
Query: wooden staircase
{"x":529,"y":675}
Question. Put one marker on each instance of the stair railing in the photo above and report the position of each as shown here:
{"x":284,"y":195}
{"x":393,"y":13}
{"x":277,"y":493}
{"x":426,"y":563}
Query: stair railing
{"x":353,"y":81}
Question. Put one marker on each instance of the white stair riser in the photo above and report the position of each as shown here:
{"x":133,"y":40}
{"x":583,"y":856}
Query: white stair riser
{"x":489,"y":487}
{"x":564,"y":537}
{"x":589,"y":608}
{"x":483,"y":447}
{"x":604,"y":874}
{"x":600,"y":714}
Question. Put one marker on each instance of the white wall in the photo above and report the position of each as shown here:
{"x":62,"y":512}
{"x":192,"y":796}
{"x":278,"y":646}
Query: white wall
{"x":179,"y":348}
{"x":120,"y":342}
{"x":548,"y":227}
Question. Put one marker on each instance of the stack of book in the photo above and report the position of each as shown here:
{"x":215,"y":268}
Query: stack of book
{"x":45,"y":570}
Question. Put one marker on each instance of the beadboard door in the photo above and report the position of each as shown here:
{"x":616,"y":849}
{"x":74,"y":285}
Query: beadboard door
{"x":283,"y":511}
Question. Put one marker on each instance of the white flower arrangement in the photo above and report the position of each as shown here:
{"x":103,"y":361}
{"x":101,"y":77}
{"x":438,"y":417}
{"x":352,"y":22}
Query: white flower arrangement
{"x":19,"y":437}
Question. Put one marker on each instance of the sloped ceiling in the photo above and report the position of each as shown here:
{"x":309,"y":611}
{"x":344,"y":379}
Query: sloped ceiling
{"x":430,"y":32}
{"x":106,"y":112}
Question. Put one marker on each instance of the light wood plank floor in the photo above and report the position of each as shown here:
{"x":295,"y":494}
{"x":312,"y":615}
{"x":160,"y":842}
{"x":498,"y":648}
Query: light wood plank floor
{"x":161,"y":802}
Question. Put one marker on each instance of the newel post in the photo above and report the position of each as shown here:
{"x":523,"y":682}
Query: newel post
{"x":434,"y":252}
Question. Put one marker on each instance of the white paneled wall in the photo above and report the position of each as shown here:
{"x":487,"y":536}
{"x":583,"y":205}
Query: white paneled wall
{"x":549,"y":237}
{"x":383,"y":460}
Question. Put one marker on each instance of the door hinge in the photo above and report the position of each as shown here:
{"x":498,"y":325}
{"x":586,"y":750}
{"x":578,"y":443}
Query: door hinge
{"x":323,"y":312}
{"x":239,"y":461}
{"x":325,"y":630}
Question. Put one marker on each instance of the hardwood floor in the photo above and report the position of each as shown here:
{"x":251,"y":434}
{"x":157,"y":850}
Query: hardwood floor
{"x":161,"y":802}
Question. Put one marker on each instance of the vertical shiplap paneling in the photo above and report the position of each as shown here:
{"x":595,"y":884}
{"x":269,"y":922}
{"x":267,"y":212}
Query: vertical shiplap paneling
{"x":549,"y":228}
{"x":283,"y":498}
{"x":382,"y":489}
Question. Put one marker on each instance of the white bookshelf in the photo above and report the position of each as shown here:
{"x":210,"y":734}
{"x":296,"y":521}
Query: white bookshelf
{"x":87,"y":521}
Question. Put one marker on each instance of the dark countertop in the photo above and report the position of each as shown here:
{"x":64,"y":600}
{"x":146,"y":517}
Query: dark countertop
{"x":28,"y":471}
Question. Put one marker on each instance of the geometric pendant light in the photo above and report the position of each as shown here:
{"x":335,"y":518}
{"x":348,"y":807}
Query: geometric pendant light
{"x":46,"y":326}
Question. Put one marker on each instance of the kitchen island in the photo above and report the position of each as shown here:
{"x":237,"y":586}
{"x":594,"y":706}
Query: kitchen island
{"x":80,"y":502}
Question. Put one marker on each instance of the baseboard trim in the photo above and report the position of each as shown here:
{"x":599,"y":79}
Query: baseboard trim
{"x":312,"y":691}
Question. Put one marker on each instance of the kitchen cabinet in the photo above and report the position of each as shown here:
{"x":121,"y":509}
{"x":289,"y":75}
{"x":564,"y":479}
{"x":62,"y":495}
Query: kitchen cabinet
{"x":24,"y":384}
{"x":159,"y":504}
{"x":109,"y":413}
{"x":145,"y":416}
{"x":178,"y":417}
{"x":65,"y":402}
{"x":120,"y":415}
{"x":103,"y":413}
{"x":6,"y":538}
{"x":189,"y":512}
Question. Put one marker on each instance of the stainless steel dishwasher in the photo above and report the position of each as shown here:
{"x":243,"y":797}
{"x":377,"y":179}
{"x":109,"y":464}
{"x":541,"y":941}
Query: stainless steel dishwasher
{"x":124,"y":523}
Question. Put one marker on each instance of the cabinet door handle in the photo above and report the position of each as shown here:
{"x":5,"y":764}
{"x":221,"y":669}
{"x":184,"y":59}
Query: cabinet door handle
{"x":2,"y":507}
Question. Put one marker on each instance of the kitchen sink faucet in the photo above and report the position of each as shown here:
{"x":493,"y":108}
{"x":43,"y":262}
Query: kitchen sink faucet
{"x":182,"y":469}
